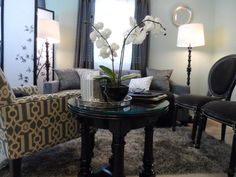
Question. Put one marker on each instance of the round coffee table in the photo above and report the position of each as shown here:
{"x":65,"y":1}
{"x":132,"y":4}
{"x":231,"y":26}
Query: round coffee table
{"x":119,"y":121}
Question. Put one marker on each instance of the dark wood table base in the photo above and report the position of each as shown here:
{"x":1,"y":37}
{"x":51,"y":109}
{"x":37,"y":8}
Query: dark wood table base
{"x":119,"y":122}
{"x":116,"y":168}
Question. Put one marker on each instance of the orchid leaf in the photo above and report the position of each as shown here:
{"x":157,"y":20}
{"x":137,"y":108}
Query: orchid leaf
{"x":103,"y":77}
{"x":108,"y":72}
{"x":130,"y":76}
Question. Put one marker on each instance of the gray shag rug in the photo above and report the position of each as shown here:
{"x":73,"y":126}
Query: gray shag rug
{"x":172,"y":155}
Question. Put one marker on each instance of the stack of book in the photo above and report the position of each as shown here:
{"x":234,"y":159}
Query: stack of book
{"x":148,"y":96}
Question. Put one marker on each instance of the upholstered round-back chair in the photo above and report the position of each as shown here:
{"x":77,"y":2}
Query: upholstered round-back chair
{"x":221,"y":81}
{"x":222,"y":76}
{"x":223,"y":112}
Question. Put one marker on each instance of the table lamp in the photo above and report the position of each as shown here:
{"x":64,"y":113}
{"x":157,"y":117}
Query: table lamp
{"x":48,"y":30}
{"x":190,"y":35}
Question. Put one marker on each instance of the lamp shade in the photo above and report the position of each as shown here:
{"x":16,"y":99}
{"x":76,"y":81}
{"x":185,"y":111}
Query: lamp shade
{"x":49,"y":30}
{"x":190,"y":35}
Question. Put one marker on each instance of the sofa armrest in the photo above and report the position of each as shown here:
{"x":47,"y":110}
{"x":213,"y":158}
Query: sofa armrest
{"x":179,"y":89}
{"x":51,"y":87}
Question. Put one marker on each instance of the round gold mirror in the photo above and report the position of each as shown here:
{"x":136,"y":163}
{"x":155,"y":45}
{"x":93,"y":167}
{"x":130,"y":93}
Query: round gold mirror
{"x":182,"y":15}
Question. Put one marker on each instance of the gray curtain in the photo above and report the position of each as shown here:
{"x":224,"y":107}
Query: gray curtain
{"x":140,"y":52}
{"x":84,"y":47}
{"x":41,"y":3}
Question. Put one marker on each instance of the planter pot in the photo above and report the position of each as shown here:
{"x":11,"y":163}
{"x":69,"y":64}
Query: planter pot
{"x":114,"y":93}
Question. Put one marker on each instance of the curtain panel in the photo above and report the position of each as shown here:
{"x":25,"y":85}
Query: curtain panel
{"x":41,"y":4}
{"x":84,"y":47}
{"x":140,"y":53}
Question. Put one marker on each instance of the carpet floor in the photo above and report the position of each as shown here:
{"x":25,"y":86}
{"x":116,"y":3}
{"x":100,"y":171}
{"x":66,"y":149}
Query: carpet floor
{"x":172,"y":155}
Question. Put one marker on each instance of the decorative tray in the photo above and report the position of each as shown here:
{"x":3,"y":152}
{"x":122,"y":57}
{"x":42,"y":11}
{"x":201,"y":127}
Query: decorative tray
{"x":104,"y":105}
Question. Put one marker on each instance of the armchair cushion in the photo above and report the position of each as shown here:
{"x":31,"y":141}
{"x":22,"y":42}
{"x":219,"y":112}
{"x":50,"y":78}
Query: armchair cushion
{"x":160,"y":79}
{"x":68,"y":79}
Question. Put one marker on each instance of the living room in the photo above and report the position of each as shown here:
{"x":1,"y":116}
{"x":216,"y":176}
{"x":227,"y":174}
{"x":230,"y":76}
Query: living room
{"x":19,"y":21}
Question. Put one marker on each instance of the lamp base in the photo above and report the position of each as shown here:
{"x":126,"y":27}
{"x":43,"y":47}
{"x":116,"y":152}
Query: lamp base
{"x":189,"y":69}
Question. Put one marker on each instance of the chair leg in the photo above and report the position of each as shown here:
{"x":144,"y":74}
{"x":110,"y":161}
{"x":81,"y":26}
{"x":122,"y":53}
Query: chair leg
{"x":195,"y":124}
{"x":15,"y":167}
{"x":199,"y":130}
{"x":175,"y":117}
{"x":223,"y":130}
{"x":204,"y":125}
{"x":232,"y":162}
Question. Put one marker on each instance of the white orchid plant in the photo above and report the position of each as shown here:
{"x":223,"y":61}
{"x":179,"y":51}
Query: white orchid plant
{"x":135,"y":35}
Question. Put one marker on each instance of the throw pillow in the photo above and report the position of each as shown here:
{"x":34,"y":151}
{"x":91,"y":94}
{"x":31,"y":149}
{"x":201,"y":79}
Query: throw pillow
{"x":140,"y":83}
{"x":160,"y":79}
{"x":68,"y":79}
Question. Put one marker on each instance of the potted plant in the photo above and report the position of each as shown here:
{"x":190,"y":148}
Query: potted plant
{"x":136,"y":35}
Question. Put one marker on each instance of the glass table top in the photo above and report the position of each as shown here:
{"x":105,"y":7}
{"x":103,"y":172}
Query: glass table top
{"x":133,"y":108}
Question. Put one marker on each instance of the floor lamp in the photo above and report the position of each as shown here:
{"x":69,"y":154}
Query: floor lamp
{"x":190,"y":35}
{"x":48,"y":30}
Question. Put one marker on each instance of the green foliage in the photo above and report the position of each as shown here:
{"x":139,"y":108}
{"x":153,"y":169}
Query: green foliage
{"x":109,"y":73}
{"x":112,"y":76}
{"x":130,"y":76}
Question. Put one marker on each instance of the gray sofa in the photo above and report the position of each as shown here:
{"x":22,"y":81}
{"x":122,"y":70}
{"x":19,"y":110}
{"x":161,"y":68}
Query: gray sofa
{"x":174,"y":90}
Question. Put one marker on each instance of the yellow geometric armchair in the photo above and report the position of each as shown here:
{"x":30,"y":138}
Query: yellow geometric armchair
{"x":32,"y":123}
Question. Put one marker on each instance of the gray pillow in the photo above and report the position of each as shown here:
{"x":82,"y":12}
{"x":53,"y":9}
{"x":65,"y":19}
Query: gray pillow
{"x":160,"y":79}
{"x":68,"y":79}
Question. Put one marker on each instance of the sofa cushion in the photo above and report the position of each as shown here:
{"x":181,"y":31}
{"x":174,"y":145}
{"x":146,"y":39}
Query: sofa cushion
{"x":140,"y":83}
{"x":160,"y":79}
{"x":68,"y":79}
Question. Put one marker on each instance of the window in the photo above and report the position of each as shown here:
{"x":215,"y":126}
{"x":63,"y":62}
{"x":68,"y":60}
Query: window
{"x":115,"y":16}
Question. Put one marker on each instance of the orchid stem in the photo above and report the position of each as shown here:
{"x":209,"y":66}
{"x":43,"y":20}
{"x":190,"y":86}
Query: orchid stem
{"x":124,"y":42}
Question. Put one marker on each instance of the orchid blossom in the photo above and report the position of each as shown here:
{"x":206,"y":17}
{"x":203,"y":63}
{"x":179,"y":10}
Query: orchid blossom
{"x":135,"y":35}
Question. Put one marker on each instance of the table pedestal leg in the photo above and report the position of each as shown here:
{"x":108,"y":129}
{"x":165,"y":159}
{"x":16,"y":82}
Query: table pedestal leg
{"x":111,"y":159}
{"x":147,"y":168}
{"x":118,"y":155}
{"x":87,"y":142}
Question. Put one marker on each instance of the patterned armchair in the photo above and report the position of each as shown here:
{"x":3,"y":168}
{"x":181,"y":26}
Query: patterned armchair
{"x":32,"y":123}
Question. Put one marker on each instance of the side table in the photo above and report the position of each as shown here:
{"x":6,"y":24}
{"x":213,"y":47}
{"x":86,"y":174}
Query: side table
{"x":119,"y":122}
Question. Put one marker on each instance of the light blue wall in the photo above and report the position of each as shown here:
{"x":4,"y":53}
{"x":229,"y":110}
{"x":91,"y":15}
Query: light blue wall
{"x":165,"y":54}
{"x":224,"y":35}
{"x":225,"y":25}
